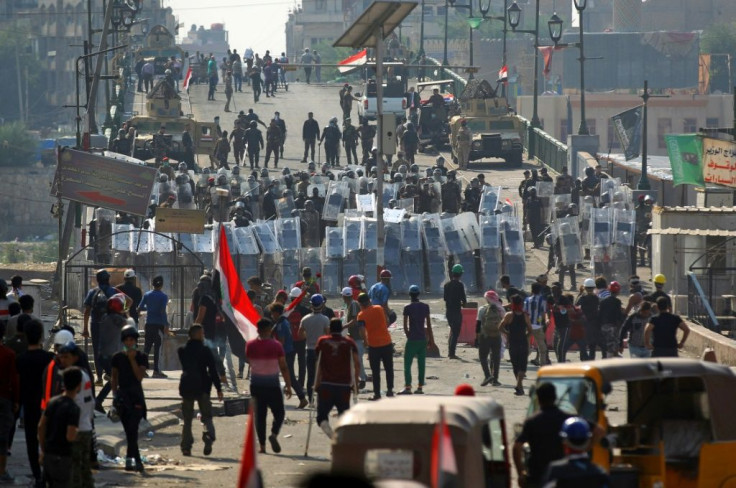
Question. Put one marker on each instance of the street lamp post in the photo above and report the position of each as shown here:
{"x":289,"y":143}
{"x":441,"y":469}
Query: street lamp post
{"x":445,"y":62}
{"x":473,"y":23}
{"x":514,"y":16}
{"x":421,"y":33}
{"x":583,"y":128}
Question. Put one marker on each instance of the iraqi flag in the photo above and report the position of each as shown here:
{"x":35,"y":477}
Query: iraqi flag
{"x":503,"y":74}
{"x":249,"y":476}
{"x":444,"y":466}
{"x":187,"y":78}
{"x":354,"y":61}
{"x":235,"y":302}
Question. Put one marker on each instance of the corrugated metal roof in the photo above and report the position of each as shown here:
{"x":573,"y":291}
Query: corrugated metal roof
{"x":676,"y":231}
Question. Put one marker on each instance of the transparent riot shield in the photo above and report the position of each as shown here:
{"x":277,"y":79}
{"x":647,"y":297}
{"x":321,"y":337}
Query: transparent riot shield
{"x":601,"y":220}
{"x":412,"y":262}
{"x":545,"y":191}
{"x":390,"y":192}
{"x":248,"y":252}
{"x":311,"y":257}
{"x":321,"y":189}
{"x":392,"y":256}
{"x":624,"y":224}
{"x":406,"y":203}
{"x":335,"y":200}
{"x":435,"y":265}
{"x":490,"y":250}
{"x":121,"y":237}
{"x":513,"y":248}
{"x":464,"y":225}
{"x":332,"y":263}
{"x":184,"y":193}
{"x":352,"y":262}
{"x":254,"y":192}
{"x":489,"y":199}
{"x":584,"y":217}
{"x":140,"y":242}
{"x":288,"y":234}
{"x":284,"y":206}
{"x":620,"y":265}
{"x":568,"y":236}
{"x":560,"y":203}
{"x":271,"y":254}
{"x":369,"y":243}
{"x":467,"y":222}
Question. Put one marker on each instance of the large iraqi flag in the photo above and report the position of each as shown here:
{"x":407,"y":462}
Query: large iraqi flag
{"x":249,"y":476}
{"x":352,"y":62}
{"x":235,"y":302}
{"x":443,"y":463}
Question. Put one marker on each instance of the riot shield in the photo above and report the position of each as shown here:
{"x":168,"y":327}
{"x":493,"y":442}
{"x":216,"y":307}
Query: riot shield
{"x":104,"y":222}
{"x":545,"y":191}
{"x":141,"y":242}
{"x":568,"y":236}
{"x":406,"y":203}
{"x":489,"y":199}
{"x":334,"y":201}
{"x":352,"y":262}
{"x":332,"y":264}
{"x":271,"y":254}
{"x":121,"y":237}
{"x":184,"y":194}
{"x":311,"y":257}
{"x":436,"y":253}
{"x":560,"y":203}
{"x":284,"y":206}
{"x":467,"y":228}
{"x":369,"y":244}
{"x":514,"y":253}
{"x":585,"y":216}
{"x":392,"y":256}
{"x":412,"y":263}
{"x":601,"y":220}
{"x":288,"y":233}
{"x":390,"y":192}
{"x":624,"y":227}
{"x":620,"y":266}
{"x":490,"y":250}
{"x":248,"y":252}
{"x":467,"y":222}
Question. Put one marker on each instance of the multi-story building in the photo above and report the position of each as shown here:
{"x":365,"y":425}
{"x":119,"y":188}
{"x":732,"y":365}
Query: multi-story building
{"x":213,"y":40}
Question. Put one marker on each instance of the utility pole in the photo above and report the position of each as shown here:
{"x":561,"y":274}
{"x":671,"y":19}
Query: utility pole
{"x":92,"y":101}
{"x":20,"y":88}
{"x":644,"y":180}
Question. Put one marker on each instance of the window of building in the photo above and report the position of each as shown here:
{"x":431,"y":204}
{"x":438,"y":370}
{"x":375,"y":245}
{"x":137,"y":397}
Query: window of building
{"x":563,"y":131}
{"x":712,"y":122}
{"x":664,"y":126}
{"x":321,"y":5}
{"x":613,"y":142}
{"x":689,"y":125}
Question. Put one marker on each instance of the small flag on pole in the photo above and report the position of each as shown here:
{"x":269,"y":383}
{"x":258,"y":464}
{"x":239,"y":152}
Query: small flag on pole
{"x":352,"y":62}
{"x":444,"y":466}
{"x":187,"y":78}
{"x":249,"y":476}
{"x":503,"y":74}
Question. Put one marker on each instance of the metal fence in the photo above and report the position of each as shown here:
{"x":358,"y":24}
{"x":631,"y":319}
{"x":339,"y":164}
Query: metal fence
{"x":699,"y":305}
{"x":542,"y":146}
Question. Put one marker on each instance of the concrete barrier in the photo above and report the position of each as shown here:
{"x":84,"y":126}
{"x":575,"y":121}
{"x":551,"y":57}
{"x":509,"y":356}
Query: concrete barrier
{"x":700,"y":338}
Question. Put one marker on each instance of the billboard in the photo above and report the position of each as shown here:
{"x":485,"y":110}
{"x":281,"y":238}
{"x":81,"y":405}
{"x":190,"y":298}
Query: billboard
{"x":98,"y":181}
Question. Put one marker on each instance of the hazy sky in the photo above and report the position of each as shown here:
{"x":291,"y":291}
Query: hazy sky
{"x":255,"y":23}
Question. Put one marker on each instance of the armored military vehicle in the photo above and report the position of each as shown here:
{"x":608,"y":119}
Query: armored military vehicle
{"x":496,"y":132}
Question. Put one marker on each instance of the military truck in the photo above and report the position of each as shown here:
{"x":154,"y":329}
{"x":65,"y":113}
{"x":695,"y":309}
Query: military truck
{"x":496,"y":132}
{"x":163,"y":108}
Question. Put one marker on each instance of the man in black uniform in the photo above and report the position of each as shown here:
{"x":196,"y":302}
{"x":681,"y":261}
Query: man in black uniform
{"x":331,"y":136}
{"x":310,"y":133}
{"x":451,"y":196}
{"x":541,"y":432}
{"x":367,"y":132}
{"x":188,"y":144}
{"x":282,"y":127}
{"x":576,"y":469}
{"x":237,"y":138}
{"x":254,"y":138}
{"x":455,"y":299}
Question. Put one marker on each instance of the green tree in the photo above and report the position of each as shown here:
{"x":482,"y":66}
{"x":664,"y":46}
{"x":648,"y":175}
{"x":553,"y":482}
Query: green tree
{"x":720,"y":39}
{"x":331,"y":55}
{"x":17,"y":147}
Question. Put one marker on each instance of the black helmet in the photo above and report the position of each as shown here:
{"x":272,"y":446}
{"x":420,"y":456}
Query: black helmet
{"x":129,"y":331}
{"x":236,"y":170}
{"x":253,"y":124}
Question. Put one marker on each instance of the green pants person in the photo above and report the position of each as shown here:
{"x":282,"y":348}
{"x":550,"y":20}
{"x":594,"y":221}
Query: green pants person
{"x":418,"y":349}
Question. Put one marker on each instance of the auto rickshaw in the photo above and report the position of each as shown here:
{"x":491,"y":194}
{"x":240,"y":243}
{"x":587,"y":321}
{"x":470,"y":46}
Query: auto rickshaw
{"x":392,"y":439}
{"x":676,"y":427}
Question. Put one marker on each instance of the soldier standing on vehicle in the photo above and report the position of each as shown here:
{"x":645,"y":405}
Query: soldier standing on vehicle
{"x":310,"y":133}
{"x":347,"y":103}
{"x":254,"y":138}
{"x":350,"y":142}
{"x":273,"y":141}
{"x":307,"y":60}
{"x":160,"y":145}
{"x":366,"y":132}
{"x":463,"y":138}
{"x":331,"y":136}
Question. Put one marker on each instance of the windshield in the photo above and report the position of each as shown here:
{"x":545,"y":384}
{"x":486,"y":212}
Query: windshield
{"x":576,"y":396}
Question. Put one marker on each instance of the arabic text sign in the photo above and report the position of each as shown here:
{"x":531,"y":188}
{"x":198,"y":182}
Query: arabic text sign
{"x":180,"y":220}
{"x":104,"y":182}
{"x":719,"y":162}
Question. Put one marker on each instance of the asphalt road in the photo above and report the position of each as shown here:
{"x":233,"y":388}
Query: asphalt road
{"x":286,"y":469}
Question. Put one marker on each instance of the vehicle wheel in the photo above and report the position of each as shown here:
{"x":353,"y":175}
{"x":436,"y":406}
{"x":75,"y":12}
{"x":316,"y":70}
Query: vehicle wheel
{"x":516,"y":159}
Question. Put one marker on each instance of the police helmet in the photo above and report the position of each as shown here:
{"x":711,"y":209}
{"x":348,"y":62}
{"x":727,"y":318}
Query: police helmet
{"x":414,"y":168}
{"x":236,"y":170}
{"x":576,"y":433}
{"x":163,"y":178}
{"x":182,"y":166}
{"x":317,"y":300}
{"x":440,"y":161}
{"x":264,"y":173}
{"x":129,"y":331}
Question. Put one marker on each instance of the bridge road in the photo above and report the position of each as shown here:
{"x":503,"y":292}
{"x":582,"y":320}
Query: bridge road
{"x":285,"y":469}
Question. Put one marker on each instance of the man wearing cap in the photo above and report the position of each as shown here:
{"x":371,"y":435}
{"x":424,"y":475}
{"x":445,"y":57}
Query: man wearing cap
{"x":522,"y":185}
{"x":312,"y":327}
{"x":296,"y":314}
{"x":95,"y":307}
{"x":373,"y":319}
{"x":355,"y":330}
{"x":129,"y":287}
{"x":418,"y":339}
{"x":380,"y":292}
{"x":154,"y":303}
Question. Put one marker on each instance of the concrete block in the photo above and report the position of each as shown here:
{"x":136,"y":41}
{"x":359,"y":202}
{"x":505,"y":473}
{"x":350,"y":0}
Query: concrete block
{"x":701,"y":338}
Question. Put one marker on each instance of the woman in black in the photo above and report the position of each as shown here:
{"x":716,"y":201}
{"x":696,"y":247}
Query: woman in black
{"x":517,"y":327}
{"x":661,"y":333}
{"x":128,"y":369}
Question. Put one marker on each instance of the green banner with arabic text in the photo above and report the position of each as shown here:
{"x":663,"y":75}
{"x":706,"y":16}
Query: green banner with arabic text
{"x":685,"y":153}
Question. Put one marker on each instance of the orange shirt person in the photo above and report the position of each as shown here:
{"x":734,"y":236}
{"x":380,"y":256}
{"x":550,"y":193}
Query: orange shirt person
{"x":373,"y":319}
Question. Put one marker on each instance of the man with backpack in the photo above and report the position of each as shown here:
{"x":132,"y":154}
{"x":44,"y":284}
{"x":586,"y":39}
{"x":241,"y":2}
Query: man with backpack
{"x":489,"y":337}
{"x":95,"y":308}
{"x":130,"y":288}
